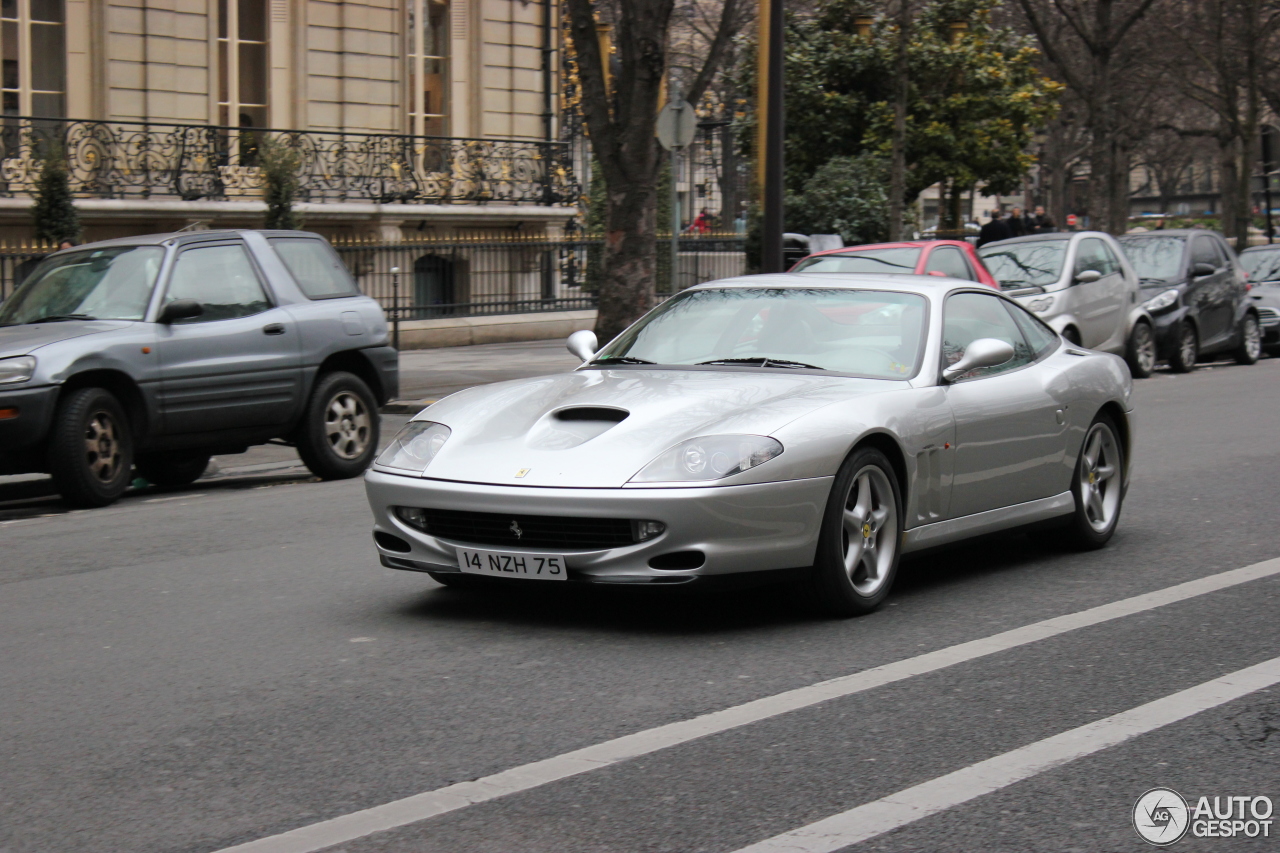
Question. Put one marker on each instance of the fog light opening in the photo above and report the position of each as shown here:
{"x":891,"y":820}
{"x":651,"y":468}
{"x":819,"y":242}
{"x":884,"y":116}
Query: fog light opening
{"x":412,"y":516}
{"x":678,"y":560}
{"x":643,"y":531}
{"x":391,"y":543}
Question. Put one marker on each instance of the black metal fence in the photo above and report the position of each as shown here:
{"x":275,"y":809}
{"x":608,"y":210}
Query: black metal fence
{"x":468,"y":276}
{"x":190,"y":162}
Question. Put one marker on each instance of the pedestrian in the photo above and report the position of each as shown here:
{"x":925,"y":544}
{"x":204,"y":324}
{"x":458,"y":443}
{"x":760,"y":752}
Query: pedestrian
{"x":1017,"y":223}
{"x":66,"y":244}
{"x":995,"y":229}
{"x":1043,"y":224}
{"x":702,"y":224}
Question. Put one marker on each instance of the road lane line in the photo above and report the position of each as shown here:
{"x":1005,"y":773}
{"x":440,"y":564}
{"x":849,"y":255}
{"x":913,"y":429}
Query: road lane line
{"x":418,"y":807}
{"x":928,"y":798}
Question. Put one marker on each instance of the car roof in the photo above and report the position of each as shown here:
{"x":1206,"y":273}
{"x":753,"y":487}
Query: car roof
{"x":906,"y":244}
{"x":184,"y":237}
{"x":1170,"y":232}
{"x":1270,"y":247}
{"x":924,"y":285}
{"x":1036,"y":238}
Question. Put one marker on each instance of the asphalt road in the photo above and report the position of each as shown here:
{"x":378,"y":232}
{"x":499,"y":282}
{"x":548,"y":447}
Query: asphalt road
{"x":196,"y":669}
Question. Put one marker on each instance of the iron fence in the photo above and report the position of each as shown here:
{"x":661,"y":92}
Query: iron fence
{"x":469,"y":277}
{"x":206,"y":162}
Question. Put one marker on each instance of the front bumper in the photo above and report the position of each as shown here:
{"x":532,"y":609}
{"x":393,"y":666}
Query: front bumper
{"x":22,"y":436}
{"x":1166,"y":331}
{"x":751,"y":528}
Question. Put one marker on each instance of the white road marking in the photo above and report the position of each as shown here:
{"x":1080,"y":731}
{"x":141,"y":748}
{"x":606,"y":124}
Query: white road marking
{"x":418,"y":807}
{"x":928,"y":798}
{"x":175,"y":498}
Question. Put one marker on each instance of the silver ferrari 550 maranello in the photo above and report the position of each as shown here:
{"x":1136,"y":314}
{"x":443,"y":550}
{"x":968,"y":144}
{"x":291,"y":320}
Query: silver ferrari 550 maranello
{"x":819,"y":423}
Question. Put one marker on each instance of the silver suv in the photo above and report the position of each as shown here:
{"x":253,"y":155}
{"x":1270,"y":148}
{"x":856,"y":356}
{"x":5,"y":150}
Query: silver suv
{"x":157,"y":352}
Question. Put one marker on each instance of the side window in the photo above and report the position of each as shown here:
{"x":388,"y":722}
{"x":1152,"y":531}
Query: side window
{"x":1204,"y":252}
{"x":971,"y":316}
{"x":222,"y":279}
{"x":315,"y":267}
{"x":1039,"y":336}
{"x":1110,"y":260}
{"x":949,"y":262}
{"x":1091,"y":255}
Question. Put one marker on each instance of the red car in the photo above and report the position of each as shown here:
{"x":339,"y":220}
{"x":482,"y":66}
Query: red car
{"x":950,"y":258}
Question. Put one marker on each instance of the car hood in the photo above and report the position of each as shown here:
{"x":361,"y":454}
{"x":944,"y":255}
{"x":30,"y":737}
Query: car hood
{"x":25,"y":339}
{"x":500,"y":430}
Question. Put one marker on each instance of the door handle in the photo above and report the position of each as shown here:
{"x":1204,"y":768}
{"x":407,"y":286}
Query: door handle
{"x":273,"y":329}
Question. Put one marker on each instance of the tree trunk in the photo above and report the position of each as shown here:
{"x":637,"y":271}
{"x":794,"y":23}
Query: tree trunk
{"x":630,"y":255}
{"x":729,"y":178}
{"x":898,"y":145}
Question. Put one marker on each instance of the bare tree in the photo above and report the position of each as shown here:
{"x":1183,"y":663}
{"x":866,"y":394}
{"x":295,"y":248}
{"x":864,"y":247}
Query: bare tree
{"x":621,"y":122}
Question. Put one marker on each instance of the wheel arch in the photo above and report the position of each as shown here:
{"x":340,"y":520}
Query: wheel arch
{"x":355,"y":362}
{"x":889,"y":446}
{"x":1117,"y":414}
{"x":122,"y":386}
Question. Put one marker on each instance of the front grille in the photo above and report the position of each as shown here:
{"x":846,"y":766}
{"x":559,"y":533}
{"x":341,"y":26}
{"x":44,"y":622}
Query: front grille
{"x":535,"y":531}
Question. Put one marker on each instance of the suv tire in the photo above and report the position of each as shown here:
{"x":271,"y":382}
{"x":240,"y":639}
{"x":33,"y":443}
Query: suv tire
{"x":1186,"y":349}
{"x":90,"y":451}
{"x":172,"y":469}
{"x":1141,"y":351}
{"x":338,"y":436}
{"x":1250,"y":348}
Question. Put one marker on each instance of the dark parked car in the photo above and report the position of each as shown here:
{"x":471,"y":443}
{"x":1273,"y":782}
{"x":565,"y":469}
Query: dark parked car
{"x":1262,"y":263}
{"x":1196,"y":290}
{"x":157,"y":352}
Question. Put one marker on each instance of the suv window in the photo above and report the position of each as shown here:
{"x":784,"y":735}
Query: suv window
{"x":1094,"y":255}
{"x":222,"y":279}
{"x":971,"y":316}
{"x":949,"y":262}
{"x":315,"y":266}
{"x":1204,"y":252}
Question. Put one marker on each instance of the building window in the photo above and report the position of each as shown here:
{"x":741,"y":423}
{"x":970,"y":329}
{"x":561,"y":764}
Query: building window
{"x":428,"y":52}
{"x":242,"y":63}
{"x":33,"y":57}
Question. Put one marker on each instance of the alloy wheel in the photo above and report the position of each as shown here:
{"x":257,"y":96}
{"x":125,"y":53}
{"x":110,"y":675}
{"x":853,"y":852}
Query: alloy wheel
{"x":347,"y":425}
{"x":1252,"y":338}
{"x":103,"y":453}
{"x":1187,"y":345}
{"x":1144,"y":348}
{"x":1100,"y":477}
{"x":870,"y":530}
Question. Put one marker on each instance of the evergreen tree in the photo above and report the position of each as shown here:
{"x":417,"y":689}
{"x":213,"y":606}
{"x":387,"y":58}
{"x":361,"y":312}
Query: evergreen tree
{"x":280,"y":163}
{"x":54,"y":212}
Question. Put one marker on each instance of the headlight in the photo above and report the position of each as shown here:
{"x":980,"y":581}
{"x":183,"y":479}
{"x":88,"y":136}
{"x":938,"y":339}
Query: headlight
{"x":415,"y":446}
{"x":1041,"y":305}
{"x":18,"y":369}
{"x":710,"y":457}
{"x":1163,"y":301}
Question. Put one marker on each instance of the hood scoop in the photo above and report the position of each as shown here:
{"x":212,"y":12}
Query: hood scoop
{"x":570,"y":427}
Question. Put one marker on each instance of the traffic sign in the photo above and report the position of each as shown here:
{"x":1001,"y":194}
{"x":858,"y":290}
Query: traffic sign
{"x":677,"y":124}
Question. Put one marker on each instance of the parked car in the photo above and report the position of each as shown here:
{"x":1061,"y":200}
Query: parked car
{"x":1262,"y":265}
{"x":951,"y":258}
{"x":816,"y":425}
{"x":1080,"y":284}
{"x":158,"y":352}
{"x":1196,"y":290}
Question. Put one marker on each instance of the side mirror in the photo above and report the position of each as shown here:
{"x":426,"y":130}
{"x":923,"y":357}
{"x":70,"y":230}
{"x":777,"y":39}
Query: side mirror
{"x":179,"y":309}
{"x":1202,"y":269}
{"x":583,"y":344}
{"x":984,"y":352}
{"x":1087,"y":276}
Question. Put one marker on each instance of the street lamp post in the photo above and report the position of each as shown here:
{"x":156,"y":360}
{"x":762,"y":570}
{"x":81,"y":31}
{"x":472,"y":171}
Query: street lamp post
{"x":395,"y":307}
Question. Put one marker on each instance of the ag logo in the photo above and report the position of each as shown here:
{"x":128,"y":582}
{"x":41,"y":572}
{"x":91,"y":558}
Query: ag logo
{"x":1161,"y":816}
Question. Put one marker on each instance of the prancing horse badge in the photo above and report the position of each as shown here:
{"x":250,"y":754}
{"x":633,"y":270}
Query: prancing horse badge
{"x":522,"y":472}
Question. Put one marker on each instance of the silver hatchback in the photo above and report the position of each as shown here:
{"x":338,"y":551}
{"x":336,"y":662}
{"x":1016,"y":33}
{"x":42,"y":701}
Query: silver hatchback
{"x":1083,"y":286}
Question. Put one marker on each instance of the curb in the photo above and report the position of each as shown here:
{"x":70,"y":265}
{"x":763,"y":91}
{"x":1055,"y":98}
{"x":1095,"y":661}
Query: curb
{"x":405,"y":407}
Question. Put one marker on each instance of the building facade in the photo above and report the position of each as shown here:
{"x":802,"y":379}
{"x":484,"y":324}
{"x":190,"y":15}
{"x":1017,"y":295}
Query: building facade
{"x":434,"y":117}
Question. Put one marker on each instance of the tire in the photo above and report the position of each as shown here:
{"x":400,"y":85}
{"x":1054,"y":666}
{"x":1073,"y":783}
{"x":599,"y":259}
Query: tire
{"x":859,"y":545}
{"x":90,"y":451}
{"x":1141,"y":351}
{"x":172,"y":469}
{"x":1250,"y":348}
{"x":1072,"y":336}
{"x":1187,"y":349}
{"x":338,"y":436}
{"x":1097,"y":487}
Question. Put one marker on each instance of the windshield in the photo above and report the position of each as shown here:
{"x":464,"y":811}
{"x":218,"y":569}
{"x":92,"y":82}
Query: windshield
{"x":1155,"y":257}
{"x":868,"y":260}
{"x":102,"y":284}
{"x":1262,"y":265}
{"x":867,"y":332}
{"x":1025,"y":264}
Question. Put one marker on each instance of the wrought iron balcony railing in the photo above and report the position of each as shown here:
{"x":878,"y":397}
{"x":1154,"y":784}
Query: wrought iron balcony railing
{"x":206,"y":162}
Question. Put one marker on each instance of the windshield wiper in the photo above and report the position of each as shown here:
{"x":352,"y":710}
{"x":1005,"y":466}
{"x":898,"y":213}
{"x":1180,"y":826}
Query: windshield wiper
{"x":54,"y":318}
{"x":1152,"y":281}
{"x":764,"y":362}
{"x":620,"y":359}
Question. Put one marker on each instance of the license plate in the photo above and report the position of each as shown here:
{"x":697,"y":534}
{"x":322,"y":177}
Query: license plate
{"x":547,"y":567}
